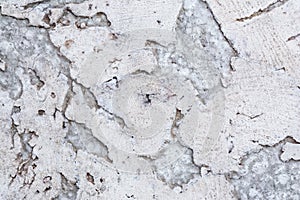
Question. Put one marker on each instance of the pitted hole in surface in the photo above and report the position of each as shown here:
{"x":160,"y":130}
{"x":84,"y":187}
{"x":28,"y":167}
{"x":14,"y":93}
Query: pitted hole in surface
{"x":145,"y":104}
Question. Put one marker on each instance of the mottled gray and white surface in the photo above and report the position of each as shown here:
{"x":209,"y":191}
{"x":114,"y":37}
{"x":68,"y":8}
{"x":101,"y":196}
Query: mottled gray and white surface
{"x":173,"y":99}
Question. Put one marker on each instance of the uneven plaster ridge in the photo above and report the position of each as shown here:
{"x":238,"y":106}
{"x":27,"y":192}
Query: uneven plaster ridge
{"x":149,"y":100}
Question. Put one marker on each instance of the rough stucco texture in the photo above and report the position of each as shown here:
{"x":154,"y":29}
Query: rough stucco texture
{"x":174,"y":99}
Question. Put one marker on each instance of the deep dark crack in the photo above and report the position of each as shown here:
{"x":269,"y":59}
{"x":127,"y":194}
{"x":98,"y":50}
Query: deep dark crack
{"x":261,"y":11}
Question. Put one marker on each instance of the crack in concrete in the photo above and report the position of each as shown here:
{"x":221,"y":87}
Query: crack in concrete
{"x":68,"y":97}
{"x":79,"y":139}
{"x":35,"y":79}
{"x":70,"y":93}
{"x":94,"y":103}
{"x":26,"y":158}
{"x":85,"y":132}
{"x":50,"y":3}
{"x":230,"y":43}
{"x":261,"y":11}
{"x":179,"y":172}
{"x":82,"y":22}
{"x":84,"y":89}
{"x":13,"y":131}
{"x":293,"y":37}
{"x":69,"y":189}
{"x":279,"y":144}
{"x":250,"y":116}
{"x":289,"y":139}
{"x":34,"y":4}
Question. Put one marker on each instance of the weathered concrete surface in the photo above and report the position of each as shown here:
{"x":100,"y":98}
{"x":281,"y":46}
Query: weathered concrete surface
{"x":149,"y":99}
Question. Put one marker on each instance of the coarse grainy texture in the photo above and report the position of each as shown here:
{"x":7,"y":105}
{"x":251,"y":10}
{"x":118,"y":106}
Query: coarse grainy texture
{"x":174,"y":99}
{"x":266,"y":176}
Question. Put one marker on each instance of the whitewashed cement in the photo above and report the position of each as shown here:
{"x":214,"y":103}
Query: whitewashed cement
{"x":150,"y":99}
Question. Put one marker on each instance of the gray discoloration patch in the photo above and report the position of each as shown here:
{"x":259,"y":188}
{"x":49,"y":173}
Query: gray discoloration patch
{"x":264,"y":175}
{"x":178,"y":172}
{"x":82,"y":138}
